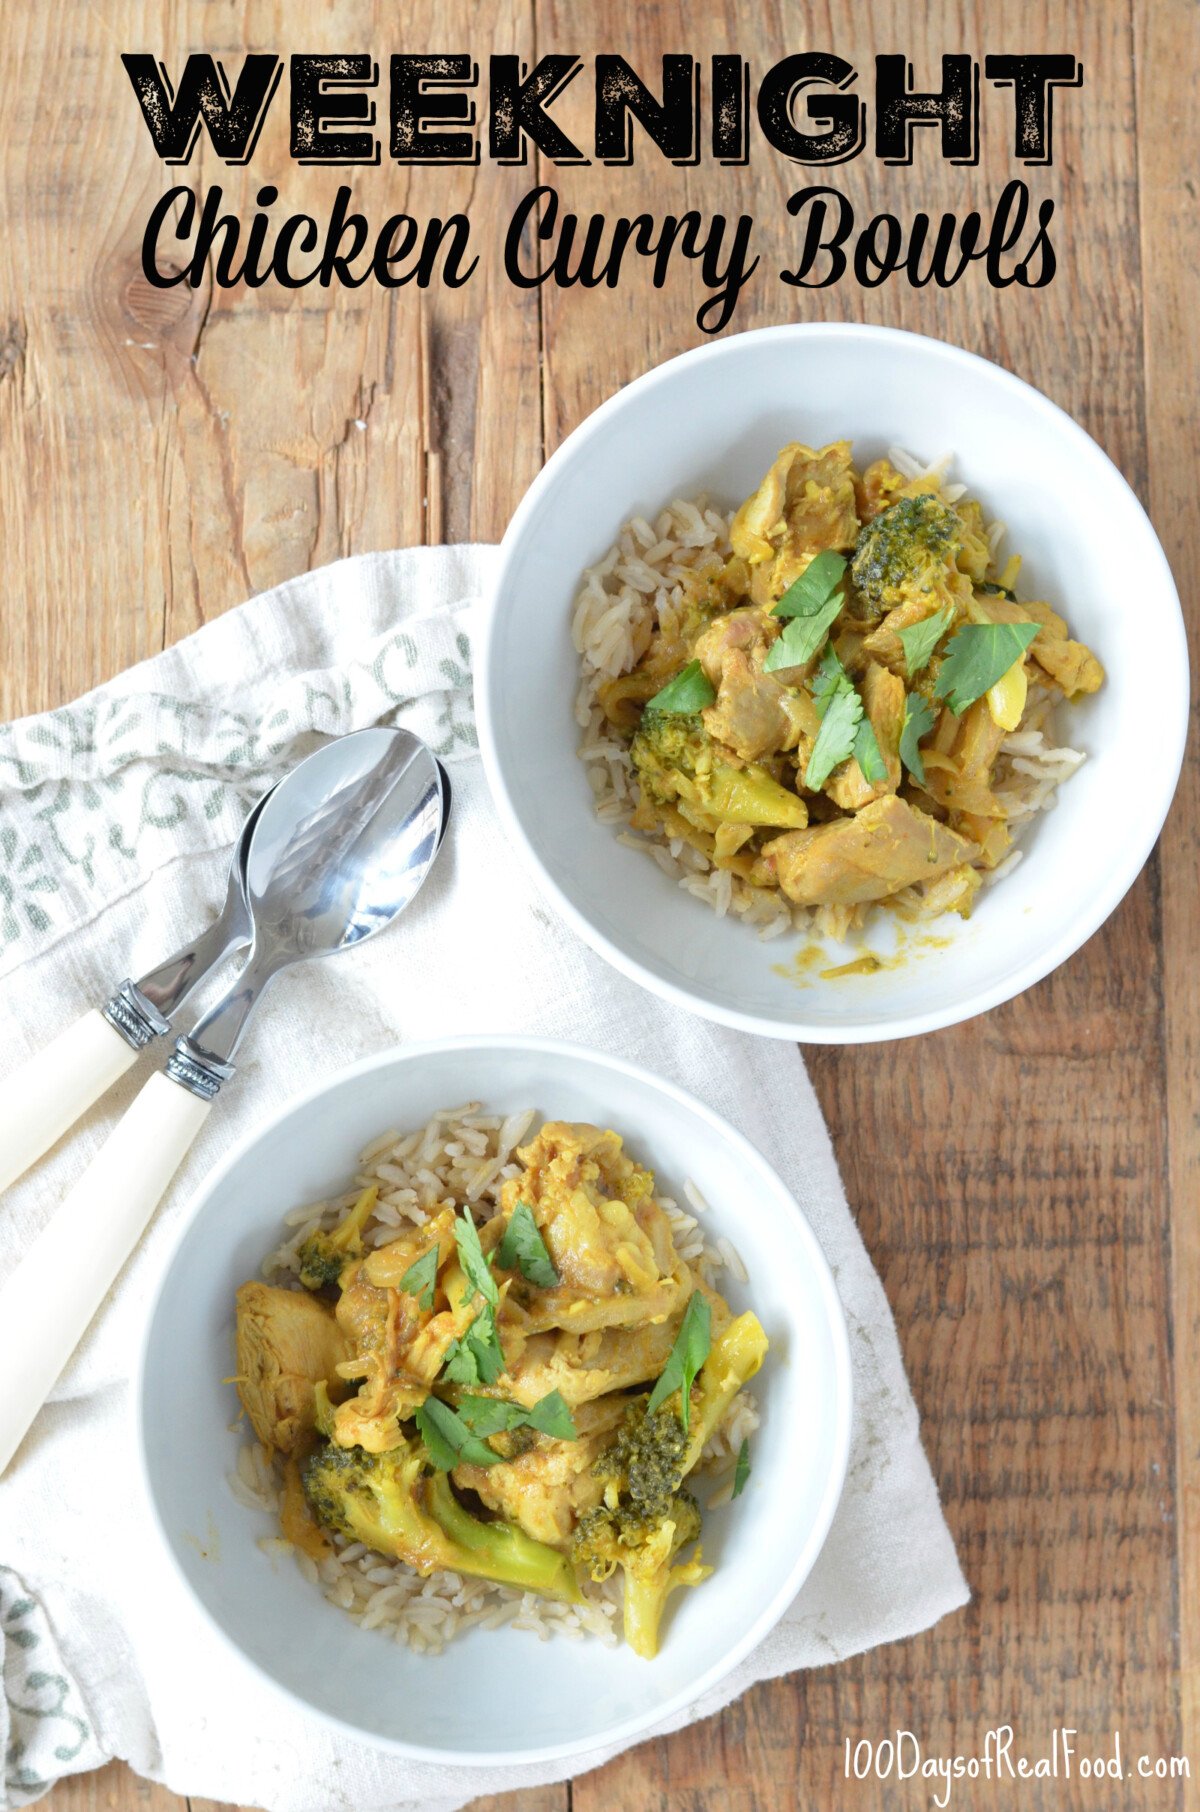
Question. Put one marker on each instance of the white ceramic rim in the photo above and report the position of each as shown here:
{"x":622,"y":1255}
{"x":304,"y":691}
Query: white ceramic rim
{"x":1172,"y":721}
{"x":844,"y":1409}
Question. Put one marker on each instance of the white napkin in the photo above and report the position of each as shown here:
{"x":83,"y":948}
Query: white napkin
{"x":117,"y":815}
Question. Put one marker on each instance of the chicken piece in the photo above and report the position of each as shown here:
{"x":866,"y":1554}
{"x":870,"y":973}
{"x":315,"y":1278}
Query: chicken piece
{"x":547,"y":1488}
{"x":881,"y":484}
{"x":805,"y":504}
{"x":884,"y":699}
{"x":886,"y":846}
{"x":287,"y":1342}
{"x":585,"y":1366}
{"x":380,"y":1326}
{"x":755,"y":714}
{"x":961,"y":778}
{"x":608,"y":1239}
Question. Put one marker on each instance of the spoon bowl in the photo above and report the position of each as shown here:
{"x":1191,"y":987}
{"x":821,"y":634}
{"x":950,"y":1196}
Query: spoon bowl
{"x":340,"y":848}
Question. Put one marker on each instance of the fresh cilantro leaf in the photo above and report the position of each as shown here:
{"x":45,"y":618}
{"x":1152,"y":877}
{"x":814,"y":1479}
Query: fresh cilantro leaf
{"x":475,"y":1265}
{"x":420,"y":1278}
{"x":494,"y":1415}
{"x":523,"y":1248}
{"x":825,"y":679}
{"x":809,"y":593}
{"x":477,"y":1357}
{"x":832,"y":679}
{"x":491,"y":1415}
{"x":550,"y":1416}
{"x":448,"y":1440}
{"x":741,"y":1471}
{"x":460,"y":1365}
{"x":920,"y":639}
{"x":979,"y":655}
{"x":919,"y":719}
{"x":837,"y":736}
{"x":803,"y":636}
{"x":868,"y":754}
{"x":689,"y":691}
{"x":691,"y":1349}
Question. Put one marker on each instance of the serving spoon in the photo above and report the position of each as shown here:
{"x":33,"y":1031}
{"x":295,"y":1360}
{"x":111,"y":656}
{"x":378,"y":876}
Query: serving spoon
{"x":59,"y":1083}
{"x":338,"y":850}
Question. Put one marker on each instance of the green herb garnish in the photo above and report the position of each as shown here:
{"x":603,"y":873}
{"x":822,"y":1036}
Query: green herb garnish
{"x":806,"y":595}
{"x":420,"y":1278}
{"x":920,"y":639}
{"x":470,"y":1255}
{"x":851,"y":732}
{"x":478,"y":1357}
{"x":691,"y":1349}
{"x":493,"y":1415}
{"x":919,"y":719}
{"x":448,"y":1440}
{"x":811,"y":604}
{"x":842,"y":715}
{"x":979,"y":655}
{"x":868,"y":754}
{"x":690,"y":691}
{"x":523,"y":1248}
{"x":741,"y":1471}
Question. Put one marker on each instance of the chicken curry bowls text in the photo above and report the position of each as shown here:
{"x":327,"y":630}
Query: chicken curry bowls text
{"x":497,"y":1384}
{"x":832,"y":700}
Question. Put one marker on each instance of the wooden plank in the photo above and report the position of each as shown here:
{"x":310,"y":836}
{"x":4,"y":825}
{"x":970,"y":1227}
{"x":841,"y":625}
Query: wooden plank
{"x":1169,"y":152}
{"x":112,"y":1789}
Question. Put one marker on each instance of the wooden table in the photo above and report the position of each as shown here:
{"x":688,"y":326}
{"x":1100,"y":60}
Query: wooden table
{"x":1026,"y":1183}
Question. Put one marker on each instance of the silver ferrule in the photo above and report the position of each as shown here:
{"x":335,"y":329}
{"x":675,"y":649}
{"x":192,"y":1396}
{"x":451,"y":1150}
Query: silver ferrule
{"x":137,"y":1019}
{"x":197,"y":1071}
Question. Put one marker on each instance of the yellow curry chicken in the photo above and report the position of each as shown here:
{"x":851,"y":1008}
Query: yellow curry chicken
{"x":520,"y":1401}
{"x":822,"y":708}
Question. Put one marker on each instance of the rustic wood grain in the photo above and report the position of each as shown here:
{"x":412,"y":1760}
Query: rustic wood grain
{"x":1169,"y":159}
{"x":1027,"y":1184}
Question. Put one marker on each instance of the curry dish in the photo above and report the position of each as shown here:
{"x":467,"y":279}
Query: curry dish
{"x":518,"y":1394}
{"x":835,"y":699}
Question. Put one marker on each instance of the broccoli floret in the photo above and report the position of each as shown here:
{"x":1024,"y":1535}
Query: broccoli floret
{"x":677,"y":761}
{"x":908,"y":544}
{"x":394,"y":1504}
{"x":666,"y":746}
{"x":325,"y":1255}
{"x":644,"y":1520}
{"x":643,"y":1466}
{"x":644,"y":1547}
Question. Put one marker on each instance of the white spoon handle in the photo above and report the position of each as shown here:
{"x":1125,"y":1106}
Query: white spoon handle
{"x":48,"y":1300}
{"x":52,"y":1090}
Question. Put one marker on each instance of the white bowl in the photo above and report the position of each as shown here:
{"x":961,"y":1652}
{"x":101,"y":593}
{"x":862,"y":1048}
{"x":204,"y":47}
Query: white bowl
{"x":711,"y":421}
{"x":574,"y":1695}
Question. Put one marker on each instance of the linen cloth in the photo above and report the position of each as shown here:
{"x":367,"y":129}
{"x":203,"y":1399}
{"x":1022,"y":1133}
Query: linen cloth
{"x":117,"y":815}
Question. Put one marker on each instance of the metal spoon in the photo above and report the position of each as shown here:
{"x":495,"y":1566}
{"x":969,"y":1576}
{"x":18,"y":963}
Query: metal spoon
{"x":58,"y":1085}
{"x":339,"y":850}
